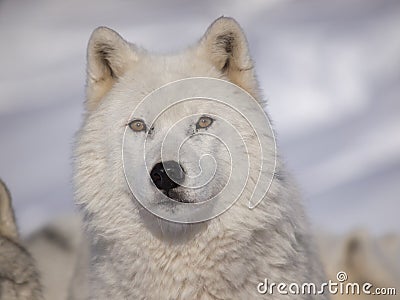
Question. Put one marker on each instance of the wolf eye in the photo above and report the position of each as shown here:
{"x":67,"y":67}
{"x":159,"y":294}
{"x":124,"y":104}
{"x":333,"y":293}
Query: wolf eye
{"x":204,"y":122}
{"x":137,"y":125}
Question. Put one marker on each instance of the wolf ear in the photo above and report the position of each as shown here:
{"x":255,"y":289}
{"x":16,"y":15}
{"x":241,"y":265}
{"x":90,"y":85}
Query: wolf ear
{"x":8,"y":226}
{"x":225,"y":46}
{"x":108,"y":57}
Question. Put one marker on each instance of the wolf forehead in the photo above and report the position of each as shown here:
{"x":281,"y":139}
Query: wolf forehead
{"x":113,"y":62}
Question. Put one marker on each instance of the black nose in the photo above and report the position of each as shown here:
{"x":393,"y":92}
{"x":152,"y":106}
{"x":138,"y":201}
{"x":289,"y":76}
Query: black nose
{"x":167,"y":175}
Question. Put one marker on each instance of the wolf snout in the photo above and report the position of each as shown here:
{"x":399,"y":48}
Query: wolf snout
{"x":167,"y":175}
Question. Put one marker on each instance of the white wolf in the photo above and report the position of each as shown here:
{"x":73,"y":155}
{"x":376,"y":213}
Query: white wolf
{"x":138,"y":255}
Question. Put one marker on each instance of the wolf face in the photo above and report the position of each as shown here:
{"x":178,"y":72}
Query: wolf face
{"x":179,"y":153}
{"x":185,"y":159}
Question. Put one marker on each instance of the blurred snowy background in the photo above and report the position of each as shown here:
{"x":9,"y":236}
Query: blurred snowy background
{"x":330,"y":71}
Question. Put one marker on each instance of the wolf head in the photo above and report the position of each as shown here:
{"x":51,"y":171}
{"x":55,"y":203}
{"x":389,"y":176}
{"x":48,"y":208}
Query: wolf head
{"x":183,"y":152}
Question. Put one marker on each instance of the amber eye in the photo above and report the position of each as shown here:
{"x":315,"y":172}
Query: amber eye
{"x":204,"y":122}
{"x":137,"y":125}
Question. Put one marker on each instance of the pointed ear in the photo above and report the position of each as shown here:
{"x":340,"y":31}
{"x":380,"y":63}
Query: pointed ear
{"x":225,"y":46}
{"x":108,"y":58}
{"x":8,"y":226}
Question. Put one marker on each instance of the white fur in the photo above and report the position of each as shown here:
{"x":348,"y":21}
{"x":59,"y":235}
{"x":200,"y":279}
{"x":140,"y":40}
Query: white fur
{"x":139,"y":256}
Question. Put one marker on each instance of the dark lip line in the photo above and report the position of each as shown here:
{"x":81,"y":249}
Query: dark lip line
{"x":178,"y":199}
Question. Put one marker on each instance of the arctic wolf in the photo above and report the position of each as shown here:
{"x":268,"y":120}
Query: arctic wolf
{"x":19,"y":279}
{"x":136,"y":254}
